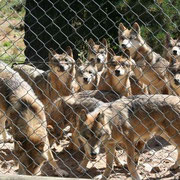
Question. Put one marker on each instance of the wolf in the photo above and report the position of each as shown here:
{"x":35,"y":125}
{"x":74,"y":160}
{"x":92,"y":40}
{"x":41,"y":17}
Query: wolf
{"x":27,"y":72}
{"x":173,"y":74}
{"x":126,"y":121}
{"x":172,"y":48}
{"x":117,"y":74}
{"x":150,"y":67}
{"x":56,"y":82}
{"x":26,"y":116}
{"x":86,"y":76}
{"x":65,"y":109}
{"x":98,"y":52}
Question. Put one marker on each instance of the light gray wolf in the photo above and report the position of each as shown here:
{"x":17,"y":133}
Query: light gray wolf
{"x":27,"y":72}
{"x":98,"y":52}
{"x":150,"y":67}
{"x":128,"y":121}
{"x":172,"y":48}
{"x":87,"y":76}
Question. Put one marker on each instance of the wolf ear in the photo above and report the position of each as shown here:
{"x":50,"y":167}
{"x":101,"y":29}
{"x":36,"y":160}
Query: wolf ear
{"x":69,"y":51}
{"x":121,"y":28}
{"x":168,"y":39}
{"x":91,"y":43}
{"x":110,"y":54}
{"x":99,"y":117}
{"x":103,"y":43}
{"x":136,"y":28}
{"x":52,"y":52}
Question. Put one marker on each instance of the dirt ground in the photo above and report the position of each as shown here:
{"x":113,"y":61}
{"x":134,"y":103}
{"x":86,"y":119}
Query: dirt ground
{"x":154,"y":162}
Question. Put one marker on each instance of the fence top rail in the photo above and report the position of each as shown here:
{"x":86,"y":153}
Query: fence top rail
{"x":25,"y":177}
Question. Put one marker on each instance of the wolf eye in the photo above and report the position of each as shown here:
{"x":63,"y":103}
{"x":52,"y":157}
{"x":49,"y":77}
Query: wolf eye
{"x":113,"y":63}
{"x":122,"y":38}
{"x":170,"y":45}
{"x":66,"y":60}
{"x":90,"y":72}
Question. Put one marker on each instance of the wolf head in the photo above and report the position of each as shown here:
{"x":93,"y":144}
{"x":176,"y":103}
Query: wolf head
{"x":94,"y":131}
{"x":98,"y":52}
{"x":172,"y":48}
{"x":61,"y":63}
{"x":130,"y":38}
{"x":119,"y":66}
{"x":86,"y":73}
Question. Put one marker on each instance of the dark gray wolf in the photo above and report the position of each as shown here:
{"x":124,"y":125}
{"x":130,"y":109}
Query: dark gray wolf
{"x":25,"y":114}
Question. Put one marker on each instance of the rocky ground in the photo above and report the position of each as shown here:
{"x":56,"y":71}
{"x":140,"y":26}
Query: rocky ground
{"x":154,"y":162}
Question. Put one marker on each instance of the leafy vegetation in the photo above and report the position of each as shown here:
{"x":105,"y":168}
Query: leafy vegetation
{"x":11,"y":31}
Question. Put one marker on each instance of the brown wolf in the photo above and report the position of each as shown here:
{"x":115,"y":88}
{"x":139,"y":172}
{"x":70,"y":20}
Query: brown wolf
{"x":56,"y":82}
{"x":26,"y":116}
{"x":65,"y":110}
{"x":87,"y":76}
{"x":126,"y":121}
{"x":151,"y":67}
{"x":172,"y":48}
{"x":116,"y":76}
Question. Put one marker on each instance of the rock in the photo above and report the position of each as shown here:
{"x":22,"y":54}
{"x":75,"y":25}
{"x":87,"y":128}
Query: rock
{"x":147,"y":167}
{"x":155,"y":169}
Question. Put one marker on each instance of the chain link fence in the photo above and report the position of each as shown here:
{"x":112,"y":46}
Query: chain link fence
{"x":90,"y":89}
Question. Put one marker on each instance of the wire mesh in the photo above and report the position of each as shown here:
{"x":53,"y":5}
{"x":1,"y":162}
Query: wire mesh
{"x":90,"y":89}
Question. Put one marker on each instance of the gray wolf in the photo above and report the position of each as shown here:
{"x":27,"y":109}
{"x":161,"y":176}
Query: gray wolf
{"x":150,"y":67}
{"x":125,"y":121}
{"x":87,"y":76}
{"x":172,"y":48}
{"x":116,"y":76}
{"x":25,"y":114}
{"x":56,"y":82}
{"x":65,"y":109}
{"x":98,"y":52}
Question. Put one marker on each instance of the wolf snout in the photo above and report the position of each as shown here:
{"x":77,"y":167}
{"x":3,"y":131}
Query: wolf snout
{"x":123,"y":46}
{"x":177,"y":82}
{"x":61,"y":68}
{"x":117,"y":72}
{"x":98,"y":60}
{"x":93,"y":155}
{"x":86,"y":80}
{"x":175,"y":52}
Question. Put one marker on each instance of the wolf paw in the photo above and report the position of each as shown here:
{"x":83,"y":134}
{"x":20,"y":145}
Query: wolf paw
{"x":61,"y":173}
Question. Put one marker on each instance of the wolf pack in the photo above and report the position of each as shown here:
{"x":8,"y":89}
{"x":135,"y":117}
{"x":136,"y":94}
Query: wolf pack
{"x":107,"y":100}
